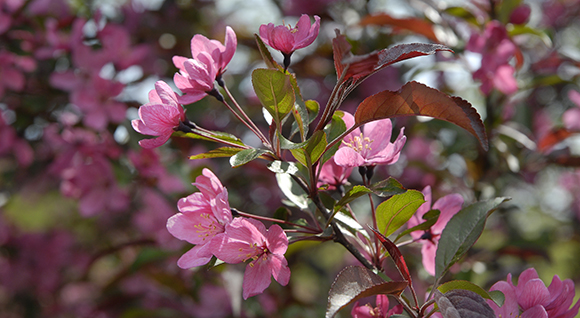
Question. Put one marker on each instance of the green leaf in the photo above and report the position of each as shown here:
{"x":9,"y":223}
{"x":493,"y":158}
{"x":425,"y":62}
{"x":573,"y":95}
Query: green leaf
{"x":430,"y":217}
{"x":283,"y":167}
{"x":461,"y":232}
{"x":334,"y":129}
{"x":388,"y":188}
{"x":266,"y":56}
{"x":356,"y":282}
{"x":352,"y":194}
{"x":314,"y":149}
{"x":397,"y":210}
{"x":292,"y":191}
{"x":245,"y":156}
{"x":300,"y":111}
{"x":214,"y":134}
{"x":498,"y":298}
{"x":217,"y":153}
{"x":275,"y":92}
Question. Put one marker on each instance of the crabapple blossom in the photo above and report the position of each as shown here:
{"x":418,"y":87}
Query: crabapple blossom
{"x":496,"y":49}
{"x":197,"y":75}
{"x":246,"y":239}
{"x":221,"y":54}
{"x":371,"y":147}
{"x":287,"y":39}
{"x":333,"y":175}
{"x":534,"y":299}
{"x":380,"y":311}
{"x":448,"y":205}
{"x":160,"y":117}
{"x":571,"y":117}
{"x":202,"y":219}
{"x":196,"y":79}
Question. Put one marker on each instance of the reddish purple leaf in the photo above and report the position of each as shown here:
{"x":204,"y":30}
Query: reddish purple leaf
{"x":356,"y":282}
{"x":416,"y":25}
{"x":552,"y":138}
{"x":361,"y":66}
{"x":415,"y":99}
{"x":395,"y":255}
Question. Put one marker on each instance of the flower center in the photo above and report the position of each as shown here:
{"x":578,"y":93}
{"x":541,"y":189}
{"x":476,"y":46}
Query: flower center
{"x":359,"y":143}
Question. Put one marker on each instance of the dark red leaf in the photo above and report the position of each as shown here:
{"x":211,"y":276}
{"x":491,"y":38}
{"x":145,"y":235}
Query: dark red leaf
{"x":552,"y":138}
{"x":461,"y":303}
{"x":356,"y":282}
{"x":395,"y":255}
{"x":361,"y":66}
{"x":415,"y":99}
{"x":415,"y":25}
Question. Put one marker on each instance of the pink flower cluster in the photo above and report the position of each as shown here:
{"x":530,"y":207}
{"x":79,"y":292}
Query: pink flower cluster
{"x":205,"y":219}
{"x":497,"y":49}
{"x":164,"y":114}
{"x":531,"y":297}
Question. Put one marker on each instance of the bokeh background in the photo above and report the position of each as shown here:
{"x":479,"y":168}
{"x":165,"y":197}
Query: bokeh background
{"x":83,"y":208}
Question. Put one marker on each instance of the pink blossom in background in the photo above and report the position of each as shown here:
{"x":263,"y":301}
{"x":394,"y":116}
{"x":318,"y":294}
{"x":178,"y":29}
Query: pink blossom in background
{"x":117,"y":47}
{"x":520,"y":14}
{"x":160,"y":117}
{"x":10,"y":143}
{"x":287,"y":39}
{"x":448,"y":205}
{"x":96,"y":99}
{"x":380,"y":311}
{"x":497,"y":50}
{"x":333,"y":175}
{"x":201,"y":219}
{"x":571,"y":117}
{"x":150,"y":168}
{"x":12,"y":69}
{"x":92,"y":182}
{"x":248,"y":239}
{"x":531,"y":297}
{"x":152,"y":216}
{"x":371,"y":147}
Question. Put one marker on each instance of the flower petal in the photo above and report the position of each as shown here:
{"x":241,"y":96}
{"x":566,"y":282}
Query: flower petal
{"x":256,"y":278}
{"x":197,"y":256}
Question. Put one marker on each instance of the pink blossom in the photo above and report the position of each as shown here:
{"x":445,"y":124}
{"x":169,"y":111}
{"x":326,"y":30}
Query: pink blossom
{"x":246,"y":239}
{"x":196,"y":78}
{"x":571,"y":117}
{"x":209,"y":60}
{"x":221,"y":54}
{"x":380,"y":311}
{"x":448,"y":205}
{"x":160,"y":117}
{"x":12,"y":67}
{"x":496,"y":49}
{"x":202,"y":219}
{"x":94,"y":184}
{"x":333,"y":175}
{"x":96,"y":99}
{"x":286,"y":39}
{"x":533,"y":299}
{"x":371,"y":147}
{"x":152,"y":170}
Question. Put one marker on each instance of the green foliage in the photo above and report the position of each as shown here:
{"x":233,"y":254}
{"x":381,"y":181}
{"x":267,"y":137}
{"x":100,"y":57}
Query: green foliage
{"x":397,"y":210}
